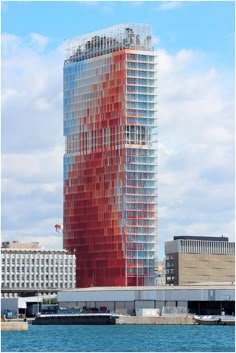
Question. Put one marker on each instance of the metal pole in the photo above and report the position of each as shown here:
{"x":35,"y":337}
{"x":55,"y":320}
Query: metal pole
{"x":38,"y":301}
{"x":137,"y":264}
{"x":126,"y":280}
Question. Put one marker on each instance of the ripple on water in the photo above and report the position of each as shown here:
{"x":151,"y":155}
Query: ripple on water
{"x":130,"y":338}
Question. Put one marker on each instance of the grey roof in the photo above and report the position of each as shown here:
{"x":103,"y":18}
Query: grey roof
{"x":207,"y":238}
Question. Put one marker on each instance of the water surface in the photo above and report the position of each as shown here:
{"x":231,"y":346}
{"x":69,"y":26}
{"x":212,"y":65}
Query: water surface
{"x":127,"y":338}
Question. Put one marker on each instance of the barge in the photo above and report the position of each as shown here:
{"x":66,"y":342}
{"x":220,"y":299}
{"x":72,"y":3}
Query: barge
{"x":76,"y":319}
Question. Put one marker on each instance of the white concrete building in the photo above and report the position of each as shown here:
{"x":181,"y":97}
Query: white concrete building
{"x":27,"y":265}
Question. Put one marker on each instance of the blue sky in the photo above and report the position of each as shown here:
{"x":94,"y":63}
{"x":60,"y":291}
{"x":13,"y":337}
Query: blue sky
{"x":195,"y":46}
{"x":200,"y":25}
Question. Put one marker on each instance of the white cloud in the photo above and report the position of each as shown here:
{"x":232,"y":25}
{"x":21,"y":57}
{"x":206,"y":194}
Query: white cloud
{"x":49,"y":241}
{"x":32,"y":138}
{"x":170,"y":5}
{"x":10,"y":43}
{"x":106,"y":5}
{"x":39,"y":40}
{"x":220,"y":135}
{"x":196,"y":148}
{"x":31,"y":95}
{"x":42,"y":104}
{"x":181,"y":61}
{"x":155,"y":40}
{"x":175,"y":228}
{"x":39,"y":165}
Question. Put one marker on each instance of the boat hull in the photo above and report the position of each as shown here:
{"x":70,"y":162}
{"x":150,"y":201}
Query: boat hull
{"x":206,"y":322}
{"x":75,"y":320}
{"x":214,"y":321}
{"x":227,"y":322}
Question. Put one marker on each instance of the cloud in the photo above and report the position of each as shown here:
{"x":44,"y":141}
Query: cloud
{"x":32,"y":191}
{"x":39,"y":40}
{"x":32,"y":139}
{"x":109,"y":10}
{"x":51,"y":241}
{"x":33,"y":164}
{"x":105,"y":6}
{"x":155,"y":40}
{"x":10,"y":43}
{"x":219,"y":135}
{"x":196,"y":147}
{"x":31,"y":94}
{"x":170,"y":5}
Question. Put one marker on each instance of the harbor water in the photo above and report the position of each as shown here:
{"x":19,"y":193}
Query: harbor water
{"x":118,"y":338}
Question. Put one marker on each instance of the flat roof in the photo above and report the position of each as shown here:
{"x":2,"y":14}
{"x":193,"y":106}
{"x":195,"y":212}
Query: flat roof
{"x":40,"y":250}
{"x":209,"y":285}
{"x":207,"y":238}
{"x":198,"y":292}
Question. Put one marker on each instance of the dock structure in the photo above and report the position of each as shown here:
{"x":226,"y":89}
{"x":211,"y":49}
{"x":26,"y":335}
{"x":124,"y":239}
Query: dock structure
{"x":14,"y":326}
{"x":155,"y":320}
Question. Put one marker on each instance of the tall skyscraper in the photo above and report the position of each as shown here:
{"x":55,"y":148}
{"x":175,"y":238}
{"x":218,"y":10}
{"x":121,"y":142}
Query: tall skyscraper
{"x":110,"y":122}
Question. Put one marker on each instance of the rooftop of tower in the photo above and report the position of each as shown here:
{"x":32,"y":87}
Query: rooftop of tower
{"x":107,"y":40}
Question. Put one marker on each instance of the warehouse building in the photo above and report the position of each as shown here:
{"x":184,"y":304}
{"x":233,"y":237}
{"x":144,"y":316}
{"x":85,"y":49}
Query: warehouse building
{"x":21,"y":307}
{"x":209,"y":299}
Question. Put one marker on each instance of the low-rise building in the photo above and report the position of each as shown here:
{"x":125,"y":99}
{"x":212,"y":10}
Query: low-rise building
{"x":27,"y":266}
{"x":199,"y":259}
{"x":199,"y":299}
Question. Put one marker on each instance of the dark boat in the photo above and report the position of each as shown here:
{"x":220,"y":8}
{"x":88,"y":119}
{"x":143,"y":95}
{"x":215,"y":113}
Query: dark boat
{"x":76,"y":319}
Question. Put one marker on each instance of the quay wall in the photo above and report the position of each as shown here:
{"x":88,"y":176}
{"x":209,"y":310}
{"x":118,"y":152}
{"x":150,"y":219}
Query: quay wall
{"x":154,"y":320}
{"x":14,"y":326}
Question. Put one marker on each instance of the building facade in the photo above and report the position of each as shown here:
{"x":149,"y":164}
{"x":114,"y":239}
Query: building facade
{"x":28,"y":266}
{"x":192,"y":259}
{"x":110,"y":191}
{"x":202,"y":300}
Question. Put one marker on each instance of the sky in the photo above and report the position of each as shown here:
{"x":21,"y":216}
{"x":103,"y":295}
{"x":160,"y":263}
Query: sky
{"x":194,"y":42}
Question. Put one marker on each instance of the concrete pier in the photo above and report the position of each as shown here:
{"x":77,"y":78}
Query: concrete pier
{"x":154,"y":320}
{"x":14,"y":326}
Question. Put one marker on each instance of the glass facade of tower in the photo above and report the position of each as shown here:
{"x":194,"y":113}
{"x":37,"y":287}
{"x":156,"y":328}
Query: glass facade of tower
{"x":110,"y":122}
